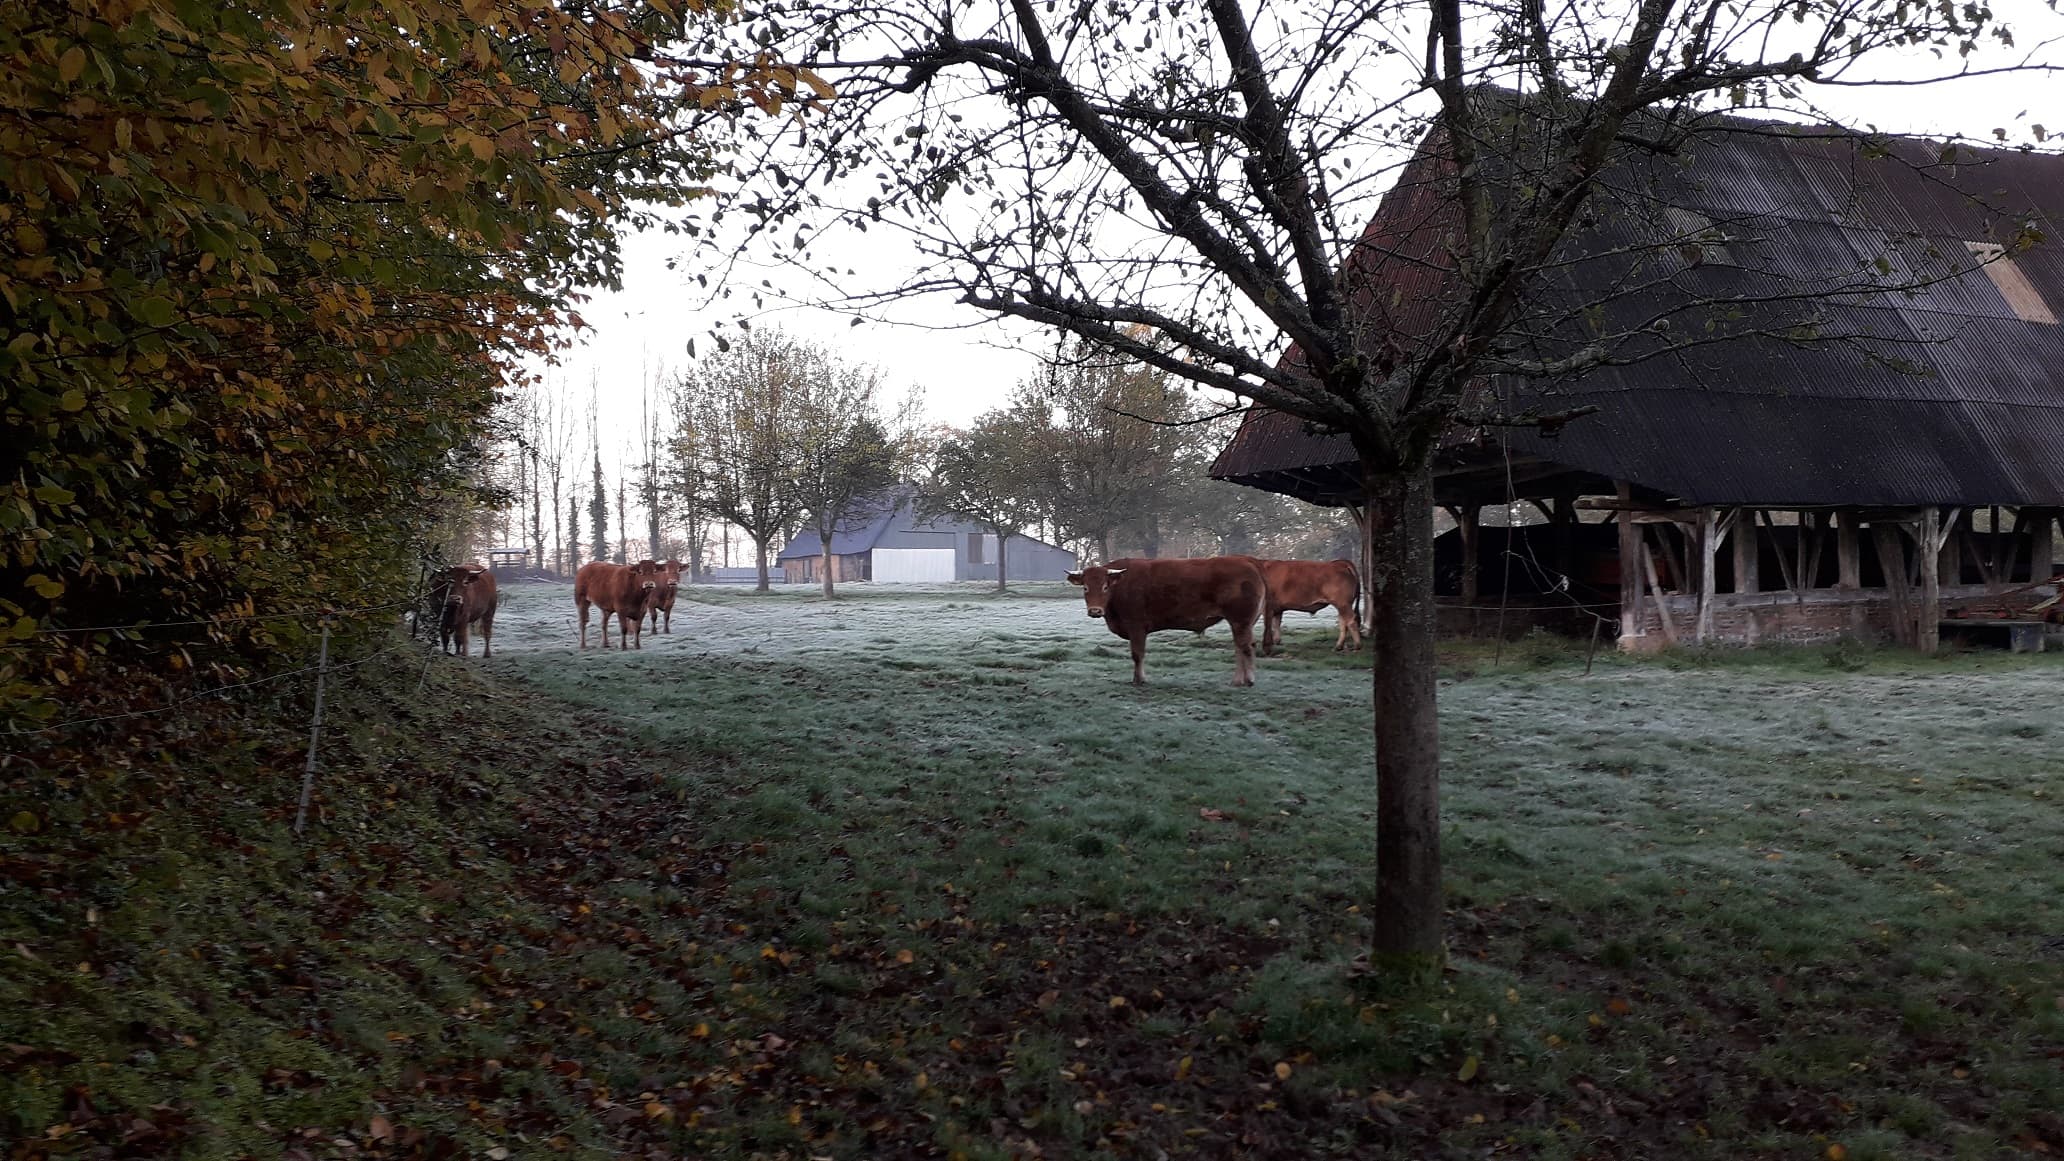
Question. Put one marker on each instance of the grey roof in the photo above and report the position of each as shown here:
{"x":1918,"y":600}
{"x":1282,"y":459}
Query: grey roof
{"x":1813,"y":226}
{"x":863,"y":537}
{"x":859,"y":537}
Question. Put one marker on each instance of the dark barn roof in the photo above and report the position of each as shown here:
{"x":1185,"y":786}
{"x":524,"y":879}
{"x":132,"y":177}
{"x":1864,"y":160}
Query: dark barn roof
{"x":849,"y":539}
{"x":1919,"y":381}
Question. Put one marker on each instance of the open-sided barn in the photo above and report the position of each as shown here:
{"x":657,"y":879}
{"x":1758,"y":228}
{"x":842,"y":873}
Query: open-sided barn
{"x":894,"y":541}
{"x":1856,"y":426}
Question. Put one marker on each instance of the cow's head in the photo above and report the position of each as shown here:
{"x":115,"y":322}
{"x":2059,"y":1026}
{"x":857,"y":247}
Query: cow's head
{"x":456,"y":580}
{"x":670,"y":576}
{"x":1096,"y":586}
{"x":454,"y":585}
{"x":648,"y":574}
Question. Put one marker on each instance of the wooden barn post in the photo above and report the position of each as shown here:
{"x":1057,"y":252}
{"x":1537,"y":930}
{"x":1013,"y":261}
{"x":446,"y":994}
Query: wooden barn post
{"x":1748,"y":553}
{"x":1630,"y":568}
{"x":1928,"y":626}
{"x":1849,"y":549}
{"x":1709,"y":532}
{"x":2042,"y":552}
{"x":1469,"y":530}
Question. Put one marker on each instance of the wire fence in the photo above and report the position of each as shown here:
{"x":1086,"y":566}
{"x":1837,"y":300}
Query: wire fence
{"x":324,"y":672}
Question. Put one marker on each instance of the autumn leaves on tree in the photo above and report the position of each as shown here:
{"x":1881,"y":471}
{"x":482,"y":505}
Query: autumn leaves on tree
{"x":266,"y":267}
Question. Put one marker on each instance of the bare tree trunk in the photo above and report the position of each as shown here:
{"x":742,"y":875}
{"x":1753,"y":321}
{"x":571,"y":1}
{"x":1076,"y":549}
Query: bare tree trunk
{"x":760,"y":558}
{"x":1002,"y":538}
{"x":558,"y":531}
{"x":824,"y":538}
{"x":1408,"y":943}
{"x":537,"y":514}
{"x":1104,"y":547}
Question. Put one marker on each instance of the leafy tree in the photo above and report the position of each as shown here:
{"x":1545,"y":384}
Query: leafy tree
{"x":740,"y":404}
{"x":991,"y":474}
{"x":267,"y":264}
{"x":845,"y":461}
{"x":598,"y":513}
{"x":1180,"y":183}
{"x":683,"y":479}
{"x":1112,"y":432}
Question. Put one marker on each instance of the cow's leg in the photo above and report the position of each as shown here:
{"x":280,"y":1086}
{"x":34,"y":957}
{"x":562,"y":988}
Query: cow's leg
{"x":1139,"y":658}
{"x":487,"y":635}
{"x":1243,"y":653}
{"x":606,"y":614}
{"x":638,"y":629}
{"x":1272,"y":630}
{"x":465,"y":641}
{"x":583,"y":605}
{"x":1350,"y":632}
{"x":670,"y":619}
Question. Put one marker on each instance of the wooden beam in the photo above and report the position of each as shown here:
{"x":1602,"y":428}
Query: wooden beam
{"x":2010,"y":550}
{"x":1680,"y":563}
{"x":1821,"y":535}
{"x":1468,"y":525}
{"x":1710,"y":530}
{"x":1648,"y":568}
{"x":1630,"y":568}
{"x":1892,"y":558}
{"x":2042,"y":551}
{"x":1848,"y":550}
{"x":1784,"y":561}
{"x":1748,"y":553}
{"x":1934,"y":536}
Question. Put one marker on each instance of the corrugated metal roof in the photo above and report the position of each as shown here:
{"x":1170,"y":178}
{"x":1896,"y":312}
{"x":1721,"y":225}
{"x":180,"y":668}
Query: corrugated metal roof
{"x":1922,"y":386}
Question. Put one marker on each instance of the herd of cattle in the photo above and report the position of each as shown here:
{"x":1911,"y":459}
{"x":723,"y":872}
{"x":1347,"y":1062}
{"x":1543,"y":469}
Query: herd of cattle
{"x":1132,"y":596}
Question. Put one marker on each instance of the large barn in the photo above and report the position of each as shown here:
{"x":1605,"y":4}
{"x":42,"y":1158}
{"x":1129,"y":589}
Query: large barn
{"x":1869,"y":442}
{"x":895,"y":542}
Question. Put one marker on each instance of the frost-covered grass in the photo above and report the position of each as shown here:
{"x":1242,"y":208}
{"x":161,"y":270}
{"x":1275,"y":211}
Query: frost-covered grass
{"x":1819,"y":871}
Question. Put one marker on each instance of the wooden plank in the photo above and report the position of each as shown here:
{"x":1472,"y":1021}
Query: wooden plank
{"x":1928,"y":638}
{"x":1680,"y":568}
{"x":2011,"y":550}
{"x":1468,"y":519}
{"x":1662,"y":606}
{"x":1709,"y":533}
{"x":1892,"y":558}
{"x":1848,"y":550}
{"x":1784,"y":564}
{"x":1748,"y":563}
{"x":2042,"y":551}
{"x":1630,"y":565}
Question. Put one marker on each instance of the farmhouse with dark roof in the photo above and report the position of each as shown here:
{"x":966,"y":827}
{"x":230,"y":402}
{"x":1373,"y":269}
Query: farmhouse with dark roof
{"x":894,"y":542}
{"x":1835,"y":405}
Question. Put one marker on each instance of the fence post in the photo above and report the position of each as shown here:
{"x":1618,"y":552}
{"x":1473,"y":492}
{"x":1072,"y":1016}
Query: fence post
{"x":322,"y":669}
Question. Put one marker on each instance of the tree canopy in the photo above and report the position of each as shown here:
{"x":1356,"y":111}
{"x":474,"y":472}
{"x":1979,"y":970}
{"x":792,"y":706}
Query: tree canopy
{"x":267,"y":266}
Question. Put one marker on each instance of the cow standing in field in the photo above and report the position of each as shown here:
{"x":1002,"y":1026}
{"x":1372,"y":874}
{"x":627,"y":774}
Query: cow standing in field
{"x":663,"y":596}
{"x":1147,"y":596}
{"x":620,"y":589}
{"x":466,"y":597}
{"x":1306,"y":586}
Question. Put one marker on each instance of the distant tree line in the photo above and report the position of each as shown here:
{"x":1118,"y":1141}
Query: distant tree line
{"x":775,"y":438}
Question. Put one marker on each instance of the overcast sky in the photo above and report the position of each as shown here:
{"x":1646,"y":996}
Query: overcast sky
{"x":965,"y":365}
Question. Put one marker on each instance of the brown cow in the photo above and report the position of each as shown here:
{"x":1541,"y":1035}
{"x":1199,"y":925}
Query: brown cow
{"x":663,"y":596}
{"x":1306,"y":586}
{"x":465,"y":597}
{"x":1147,"y":596}
{"x":619,"y":589}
